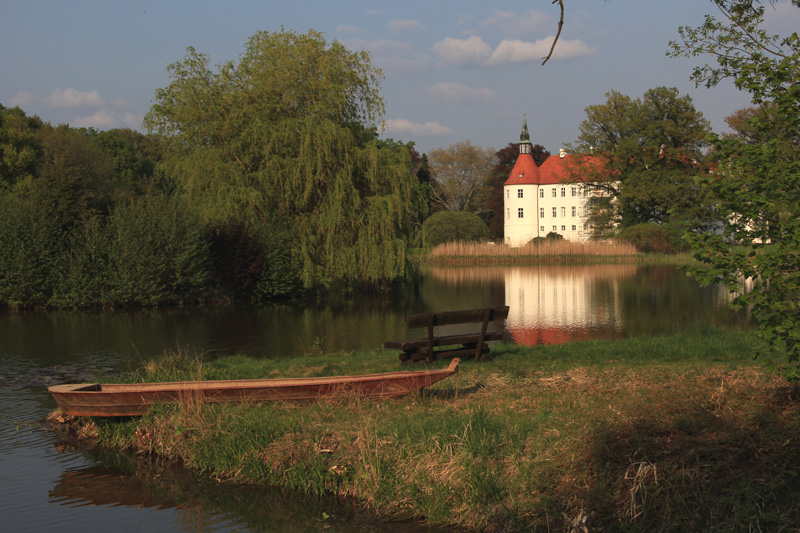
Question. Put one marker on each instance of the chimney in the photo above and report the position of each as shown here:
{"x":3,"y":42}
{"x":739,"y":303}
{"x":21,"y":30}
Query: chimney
{"x":561,"y":153}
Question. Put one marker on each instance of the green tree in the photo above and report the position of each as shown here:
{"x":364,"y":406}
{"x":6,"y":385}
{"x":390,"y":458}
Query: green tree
{"x":158,"y":252}
{"x":461,"y":176}
{"x":756,"y":183}
{"x":287,"y":133}
{"x":74,"y":177}
{"x":20,"y":151}
{"x":454,"y":226}
{"x":648,"y":152}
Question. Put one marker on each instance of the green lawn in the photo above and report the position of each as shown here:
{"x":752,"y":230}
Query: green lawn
{"x":684,"y":432}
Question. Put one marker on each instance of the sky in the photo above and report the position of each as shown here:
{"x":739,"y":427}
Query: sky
{"x":453,"y":70}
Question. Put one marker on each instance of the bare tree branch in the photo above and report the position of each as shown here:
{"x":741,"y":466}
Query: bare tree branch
{"x":560,"y":24}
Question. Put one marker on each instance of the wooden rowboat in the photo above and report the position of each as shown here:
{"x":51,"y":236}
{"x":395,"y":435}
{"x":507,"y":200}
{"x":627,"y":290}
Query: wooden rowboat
{"x":96,"y":399}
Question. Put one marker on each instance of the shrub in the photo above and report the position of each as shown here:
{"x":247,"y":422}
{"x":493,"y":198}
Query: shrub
{"x":32,"y":252}
{"x":158,"y":252}
{"x":652,"y":238}
{"x":454,"y":226}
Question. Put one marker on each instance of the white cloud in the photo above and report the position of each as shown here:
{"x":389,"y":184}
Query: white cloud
{"x":348,"y":30}
{"x":385,"y":46}
{"x":406,"y":26}
{"x":23,"y":99}
{"x":457,"y":91}
{"x":470,"y":51}
{"x":401,"y":125}
{"x":70,"y":97}
{"x":92,"y":110}
{"x":513,"y":25}
{"x":475,"y":52}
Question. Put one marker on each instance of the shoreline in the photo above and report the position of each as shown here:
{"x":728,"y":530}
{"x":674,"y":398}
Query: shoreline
{"x":632,"y":433}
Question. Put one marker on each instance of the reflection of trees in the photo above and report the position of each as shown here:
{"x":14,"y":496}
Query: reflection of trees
{"x":663,"y":299}
{"x":200,"y":503}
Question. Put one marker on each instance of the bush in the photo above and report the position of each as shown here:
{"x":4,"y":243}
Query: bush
{"x":454,"y":226}
{"x":158,"y":252}
{"x":32,"y":251}
{"x":247,"y":263}
{"x":652,"y":238}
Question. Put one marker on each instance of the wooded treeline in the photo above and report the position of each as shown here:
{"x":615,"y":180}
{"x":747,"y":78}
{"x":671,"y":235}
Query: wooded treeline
{"x":260,"y":178}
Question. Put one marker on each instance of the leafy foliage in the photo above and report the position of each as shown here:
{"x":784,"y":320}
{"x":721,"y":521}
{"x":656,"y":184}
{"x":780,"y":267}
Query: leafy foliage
{"x":288,"y":133}
{"x":454,"y":226}
{"x":652,"y":238}
{"x":757,"y":181}
{"x":650,"y":150}
{"x":461,"y":176}
{"x":158,"y":252}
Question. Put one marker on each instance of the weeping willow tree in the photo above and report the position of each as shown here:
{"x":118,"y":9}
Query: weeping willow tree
{"x":286,"y":134}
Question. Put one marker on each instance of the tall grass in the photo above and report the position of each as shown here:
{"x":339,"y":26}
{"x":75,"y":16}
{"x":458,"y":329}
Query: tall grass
{"x":674,"y":433}
{"x":547,"y":251}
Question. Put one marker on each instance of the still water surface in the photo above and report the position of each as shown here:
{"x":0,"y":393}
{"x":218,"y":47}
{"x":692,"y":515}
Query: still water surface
{"x":46,"y":483}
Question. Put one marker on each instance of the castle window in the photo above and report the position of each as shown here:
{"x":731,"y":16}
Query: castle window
{"x":573,"y":227}
{"x":554,"y":212}
{"x":508,"y":213}
{"x":519,"y":213}
{"x":541,"y":193}
{"x":563,"y":228}
{"x":541,"y":212}
{"x":519,"y":193}
{"x":541,"y":228}
{"x":563,"y":211}
{"x":554,"y":192}
{"x":508,"y":193}
{"x":573,"y":191}
{"x":563,"y":192}
{"x":555,"y":228}
{"x":574,"y":209}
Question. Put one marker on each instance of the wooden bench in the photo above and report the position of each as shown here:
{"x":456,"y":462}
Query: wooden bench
{"x":466,"y":344}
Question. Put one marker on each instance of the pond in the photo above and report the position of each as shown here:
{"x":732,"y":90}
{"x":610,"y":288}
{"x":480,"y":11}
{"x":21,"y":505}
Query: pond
{"x":46,"y":483}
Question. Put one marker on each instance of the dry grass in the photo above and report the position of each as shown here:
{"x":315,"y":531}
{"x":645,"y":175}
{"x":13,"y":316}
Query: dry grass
{"x":555,"y":251}
{"x":667,"y":446}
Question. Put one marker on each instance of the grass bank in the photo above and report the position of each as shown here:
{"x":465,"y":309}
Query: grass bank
{"x":674,"y":433}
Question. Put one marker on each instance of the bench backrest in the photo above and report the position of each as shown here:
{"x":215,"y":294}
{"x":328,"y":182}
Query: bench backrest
{"x":446,"y":318}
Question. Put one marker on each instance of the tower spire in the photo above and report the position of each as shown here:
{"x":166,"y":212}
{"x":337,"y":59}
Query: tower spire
{"x":524,"y":136}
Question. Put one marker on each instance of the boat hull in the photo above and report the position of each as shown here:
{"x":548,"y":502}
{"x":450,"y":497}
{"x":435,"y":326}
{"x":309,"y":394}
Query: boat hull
{"x":95,"y":399}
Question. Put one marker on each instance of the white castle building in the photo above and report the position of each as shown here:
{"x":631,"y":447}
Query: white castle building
{"x":542,"y":200}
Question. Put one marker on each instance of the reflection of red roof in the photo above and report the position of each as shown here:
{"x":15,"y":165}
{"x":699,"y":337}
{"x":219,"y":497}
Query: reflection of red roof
{"x":555,"y":169}
{"x":536,"y":336}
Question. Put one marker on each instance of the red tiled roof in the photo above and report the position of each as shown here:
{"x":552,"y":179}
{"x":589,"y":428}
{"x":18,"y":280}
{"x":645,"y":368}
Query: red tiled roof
{"x":555,"y":169}
{"x":524,"y":172}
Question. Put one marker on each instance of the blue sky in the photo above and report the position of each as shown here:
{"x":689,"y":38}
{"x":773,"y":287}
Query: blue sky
{"x":454,"y":71}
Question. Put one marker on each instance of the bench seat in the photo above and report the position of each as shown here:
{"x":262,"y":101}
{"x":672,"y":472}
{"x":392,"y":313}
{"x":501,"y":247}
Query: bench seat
{"x":458,"y":345}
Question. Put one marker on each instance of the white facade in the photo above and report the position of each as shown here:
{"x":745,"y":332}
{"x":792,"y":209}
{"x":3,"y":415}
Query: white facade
{"x":533,"y":210}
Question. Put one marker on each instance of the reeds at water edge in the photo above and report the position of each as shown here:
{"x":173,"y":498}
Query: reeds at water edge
{"x":544,"y":251}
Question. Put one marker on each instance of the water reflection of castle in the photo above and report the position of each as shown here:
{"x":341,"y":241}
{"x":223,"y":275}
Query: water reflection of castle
{"x":553,"y":305}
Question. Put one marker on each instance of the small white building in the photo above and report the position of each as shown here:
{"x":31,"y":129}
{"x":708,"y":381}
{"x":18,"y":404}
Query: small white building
{"x":541,"y":200}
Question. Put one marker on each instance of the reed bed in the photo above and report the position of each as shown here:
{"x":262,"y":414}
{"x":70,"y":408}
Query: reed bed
{"x":548,"y":251}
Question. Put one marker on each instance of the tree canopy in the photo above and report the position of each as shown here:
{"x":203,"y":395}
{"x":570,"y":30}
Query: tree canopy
{"x":461,"y":176}
{"x":651,"y":150}
{"x":288,"y":133}
{"x":756,"y":183}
